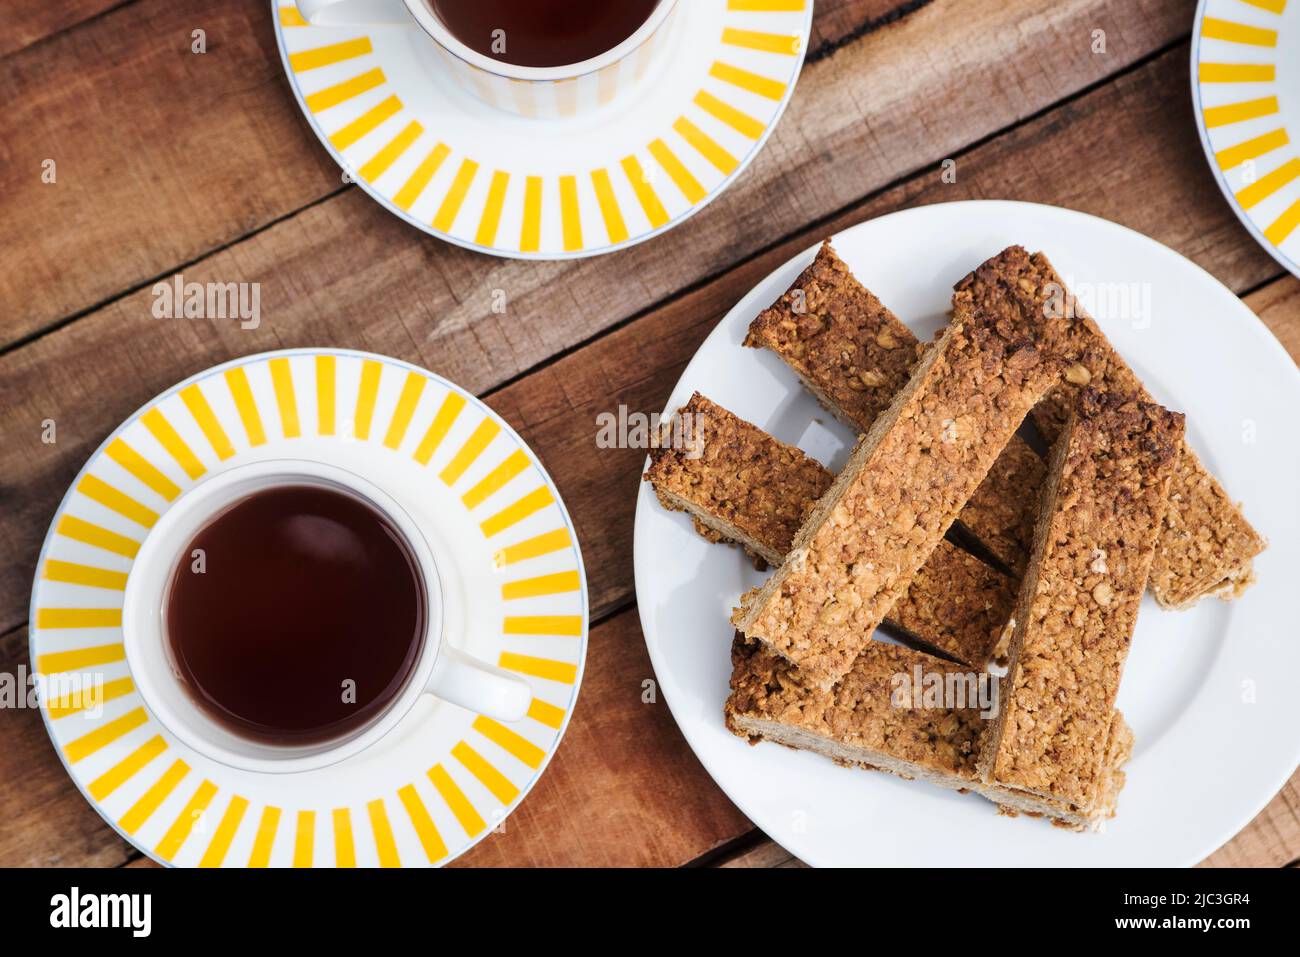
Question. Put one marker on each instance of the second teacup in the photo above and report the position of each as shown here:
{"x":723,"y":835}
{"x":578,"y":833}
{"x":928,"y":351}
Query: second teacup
{"x":544,"y":92}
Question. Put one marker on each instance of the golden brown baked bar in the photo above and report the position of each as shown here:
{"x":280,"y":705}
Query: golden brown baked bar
{"x":742,"y":485}
{"x":1000,"y":515}
{"x":901,"y":489}
{"x":738,"y":481}
{"x":1118,"y":750}
{"x":1103,"y":502}
{"x":854,"y":355}
{"x":958,"y":606}
{"x":1206,"y":546}
{"x":857,"y":724}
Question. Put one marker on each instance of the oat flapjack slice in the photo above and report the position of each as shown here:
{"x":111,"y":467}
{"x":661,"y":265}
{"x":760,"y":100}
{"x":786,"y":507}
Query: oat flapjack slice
{"x":853,"y":355}
{"x":1111,"y":779}
{"x":1206,"y":546}
{"x":1103,"y":502}
{"x":858,"y":722}
{"x":903,"y":486}
{"x":873,"y":718}
{"x":745,"y":486}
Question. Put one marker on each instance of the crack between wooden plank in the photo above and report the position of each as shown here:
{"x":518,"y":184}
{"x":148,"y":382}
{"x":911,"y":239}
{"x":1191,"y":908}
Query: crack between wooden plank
{"x":62,"y":31}
{"x":66,"y":321}
{"x":1250,"y":291}
{"x":728,"y":849}
{"x":828,"y":48}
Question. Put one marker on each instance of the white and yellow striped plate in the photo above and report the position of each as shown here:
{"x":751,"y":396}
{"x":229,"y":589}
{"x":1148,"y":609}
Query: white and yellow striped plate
{"x":1246,"y":87}
{"x":526,"y":188}
{"x":445,"y":777}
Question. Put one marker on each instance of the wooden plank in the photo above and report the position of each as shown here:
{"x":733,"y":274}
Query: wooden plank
{"x":224,"y":152}
{"x":1272,"y":839}
{"x":88,"y":376}
{"x":839,"y":22}
{"x":31,"y":21}
{"x":1278,"y":304}
{"x":160,"y":154}
{"x":765,"y":853}
{"x":624,"y":789}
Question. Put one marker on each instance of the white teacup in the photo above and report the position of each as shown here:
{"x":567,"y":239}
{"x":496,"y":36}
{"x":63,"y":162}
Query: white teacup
{"x":542,"y":92}
{"x":441,"y":670}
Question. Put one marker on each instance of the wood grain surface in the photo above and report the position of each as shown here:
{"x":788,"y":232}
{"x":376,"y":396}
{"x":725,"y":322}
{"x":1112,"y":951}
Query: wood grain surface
{"x":29,"y":22}
{"x":227,"y":153}
{"x":170,"y":162}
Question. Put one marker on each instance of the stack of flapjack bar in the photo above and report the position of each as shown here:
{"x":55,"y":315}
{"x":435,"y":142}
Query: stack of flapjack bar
{"x":949,"y":531}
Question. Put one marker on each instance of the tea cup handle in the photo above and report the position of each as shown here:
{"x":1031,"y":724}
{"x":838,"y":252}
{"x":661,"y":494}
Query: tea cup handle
{"x":327,"y":13}
{"x":478,"y":686}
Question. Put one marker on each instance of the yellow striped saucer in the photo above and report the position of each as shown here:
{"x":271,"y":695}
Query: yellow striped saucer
{"x":445,"y":778}
{"x":579,"y":186}
{"x":1246,"y":88}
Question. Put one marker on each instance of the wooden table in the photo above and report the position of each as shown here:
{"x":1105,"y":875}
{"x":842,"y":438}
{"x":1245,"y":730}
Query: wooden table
{"x":169,"y":161}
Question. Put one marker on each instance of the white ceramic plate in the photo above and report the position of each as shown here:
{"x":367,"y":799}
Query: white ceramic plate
{"x":380,"y":101}
{"x":1209,"y":692}
{"x":444,"y":777}
{"x":1246,"y":90}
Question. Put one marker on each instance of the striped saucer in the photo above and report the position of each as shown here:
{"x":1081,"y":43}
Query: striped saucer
{"x":445,"y":777}
{"x":498,"y":183}
{"x":1246,"y":88}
